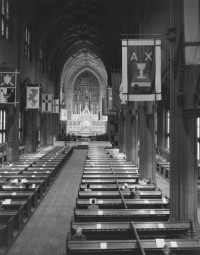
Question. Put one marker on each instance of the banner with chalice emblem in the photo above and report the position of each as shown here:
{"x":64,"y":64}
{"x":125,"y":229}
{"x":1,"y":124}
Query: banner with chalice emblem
{"x":141,"y":70}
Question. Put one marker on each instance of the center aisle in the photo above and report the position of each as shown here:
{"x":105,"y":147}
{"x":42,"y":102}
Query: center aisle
{"x":45,"y":233}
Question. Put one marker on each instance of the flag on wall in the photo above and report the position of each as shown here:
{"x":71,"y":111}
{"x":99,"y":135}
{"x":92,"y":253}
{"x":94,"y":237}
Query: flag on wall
{"x":47,"y":102}
{"x":8,"y":81}
{"x":141,"y":69}
{"x":33,"y":97}
{"x":109,"y":98}
{"x":104,"y":105}
{"x":116,"y":78}
{"x":192,"y":32}
{"x":56,"y":105}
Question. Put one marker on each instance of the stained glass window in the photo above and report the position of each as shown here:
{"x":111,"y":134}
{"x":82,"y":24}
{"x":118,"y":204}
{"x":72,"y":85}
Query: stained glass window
{"x":2,"y":126}
{"x":28,"y":44}
{"x":6,"y":20}
{"x":86,"y":93}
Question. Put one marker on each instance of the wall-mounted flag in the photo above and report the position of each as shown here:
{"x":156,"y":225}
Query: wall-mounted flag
{"x":47,"y":102}
{"x":141,"y":70}
{"x":116,"y":78}
{"x":8,"y":81}
{"x":33,"y":97}
{"x":56,"y":105}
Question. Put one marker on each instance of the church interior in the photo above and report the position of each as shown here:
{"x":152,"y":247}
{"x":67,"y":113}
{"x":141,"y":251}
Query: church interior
{"x":99,"y":127}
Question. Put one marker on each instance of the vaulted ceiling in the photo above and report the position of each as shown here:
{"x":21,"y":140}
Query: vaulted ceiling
{"x":85,"y":32}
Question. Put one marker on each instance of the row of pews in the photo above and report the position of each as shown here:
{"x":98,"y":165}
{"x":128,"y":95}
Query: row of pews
{"x":23,"y":185}
{"x":120,"y":224}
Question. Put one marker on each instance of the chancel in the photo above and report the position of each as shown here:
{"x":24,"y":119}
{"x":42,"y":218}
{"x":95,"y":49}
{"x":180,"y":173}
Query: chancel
{"x":99,"y":127}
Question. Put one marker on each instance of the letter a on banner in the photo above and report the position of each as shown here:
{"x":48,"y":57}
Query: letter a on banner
{"x":141,"y":70}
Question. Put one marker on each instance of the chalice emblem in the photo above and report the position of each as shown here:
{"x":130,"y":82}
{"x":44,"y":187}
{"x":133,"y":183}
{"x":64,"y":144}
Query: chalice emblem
{"x":141,"y":67}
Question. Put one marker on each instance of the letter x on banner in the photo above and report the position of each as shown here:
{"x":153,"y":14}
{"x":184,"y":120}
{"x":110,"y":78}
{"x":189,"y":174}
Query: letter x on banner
{"x":47,"y":101}
{"x":141,"y":70}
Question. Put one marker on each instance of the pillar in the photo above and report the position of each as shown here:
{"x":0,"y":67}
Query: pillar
{"x":147,"y":142}
{"x":121,"y":131}
{"x":160,"y":126}
{"x":124,"y":124}
{"x":50,"y":129}
{"x":183,"y":158}
{"x":43,"y":130}
{"x":128,"y":143}
{"x":12,"y":133}
{"x":30,"y":131}
{"x":134,"y":137}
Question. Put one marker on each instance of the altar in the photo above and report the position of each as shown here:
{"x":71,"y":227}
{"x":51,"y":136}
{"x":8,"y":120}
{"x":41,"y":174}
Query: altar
{"x":86,"y":123}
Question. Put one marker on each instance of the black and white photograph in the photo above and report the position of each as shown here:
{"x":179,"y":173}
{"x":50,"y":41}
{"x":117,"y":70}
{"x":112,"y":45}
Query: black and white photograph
{"x":99,"y":127}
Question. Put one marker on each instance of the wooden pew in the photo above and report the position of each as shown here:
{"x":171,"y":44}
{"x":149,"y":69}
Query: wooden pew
{"x":6,"y":230}
{"x":121,"y":215}
{"x":182,"y":246}
{"x":116,"y":194}
{"x":14,"y":204}
{"x":123,"y":230}
{"x":19,"y":195}
{"x":111,"y":176}
{"x":21,"y":187}
{"x":29,"y":177}
{"x":94,"y":171}
{"x":118,"y":203}
{"x":109,"y":181}
{"x":102,"y":187}
{"x":39,"y":172}
{"x":18,"y":215}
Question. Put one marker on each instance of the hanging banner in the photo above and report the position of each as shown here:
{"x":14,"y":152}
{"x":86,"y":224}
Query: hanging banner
{"x":104,"y":105}
{"x":33,"y":97}
{"x":8,"y":81}
{"x":56,"y":105}
{"x":191,"y":32}
{"x":116,"y":78}
{"x":47,"y":102}
{"x":141,"y":70}
{"x":110,"y":109}
{"x":109,"y":98}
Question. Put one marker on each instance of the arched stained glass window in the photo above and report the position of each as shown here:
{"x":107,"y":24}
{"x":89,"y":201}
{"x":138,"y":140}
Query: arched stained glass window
{"x":86,"y":93}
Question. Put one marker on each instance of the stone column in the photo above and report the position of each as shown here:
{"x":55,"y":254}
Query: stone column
{"x":128,"y":133}
{"x":50,"y":129}
{"x":121,"y":131}
{"x":134,"y":137}
{"x":31,"y":131}
{"x":147,"y":142}
{"x":160,"y":126}
{"x":43,"y":130}
{"x":12,"y":133}
{"x":183,"y":158}
{"x":124,"y":124}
